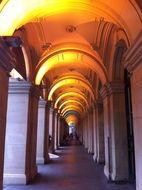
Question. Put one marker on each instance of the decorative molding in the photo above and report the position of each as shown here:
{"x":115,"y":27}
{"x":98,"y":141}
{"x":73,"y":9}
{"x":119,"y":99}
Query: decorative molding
{"x":113,"y":87}
{"x":23,"y":87}
{"x":133,"y":57}
{"x":42,"y":103}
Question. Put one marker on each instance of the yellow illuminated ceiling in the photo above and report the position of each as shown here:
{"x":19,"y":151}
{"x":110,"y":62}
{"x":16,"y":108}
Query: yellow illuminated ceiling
{"x":72,"y":94}
{"x":46,"y":22}
{"x":70,"y":81}
{"x":70,"y":101}
{"x":17,"y":13}
{"x":67,"y":53}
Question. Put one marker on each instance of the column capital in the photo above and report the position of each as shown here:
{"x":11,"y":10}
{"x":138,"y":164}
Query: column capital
{"x":42,"y":103}
{"x":23,"y":87}
{"x":19,"y":87}
{"x":133,"y":56}
{"x":113,"y":87}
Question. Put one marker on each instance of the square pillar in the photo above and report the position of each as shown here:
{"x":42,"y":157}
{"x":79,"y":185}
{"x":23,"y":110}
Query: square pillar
{"x":91,"y":131}
{"x":136,"y":89}
{"x":116,"y":148}
{"x":55,"y":129}
{"x":52,"y":129}
{"x":21,"y":133}
{"x":95,"y":134}
{"x":100,"y":133}
{"x":6,"y":64}
{"x":107,"y":135}
{"x":59,"y":131}
{"x":42,"y":134}
{"x":3,"y":104}
{"x":133,"y":63}
{"x":119,"y":146}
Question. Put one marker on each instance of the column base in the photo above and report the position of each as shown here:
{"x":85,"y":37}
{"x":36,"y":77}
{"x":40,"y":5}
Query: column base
{"x":106,"y":172}
{"x":40,"y":160}
{"x":94,"y":158}
{"x":118,"y":179}
{"x":15,"y":179}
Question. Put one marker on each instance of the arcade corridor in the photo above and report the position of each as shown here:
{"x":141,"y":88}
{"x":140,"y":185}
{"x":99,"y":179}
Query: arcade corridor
{"x":71,"y":68}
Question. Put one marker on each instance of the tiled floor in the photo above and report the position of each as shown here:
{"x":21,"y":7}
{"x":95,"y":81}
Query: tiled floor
{"x":73,"y":170}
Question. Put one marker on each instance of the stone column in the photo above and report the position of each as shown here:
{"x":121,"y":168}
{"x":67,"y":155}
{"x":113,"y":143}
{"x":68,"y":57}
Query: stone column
{"x":100,"y":132}
{"x":48,"y":130}
{"x":43,"y":133}
{"x":21,"y":133}
{"x":6,"y":65}
{"x":86,"y":131}
{"x":59,"y":131}
{"x":83,"y":137}
{"x":91,"y":131}
{"x":116,"y":153}
{"x":119,"y":146}
{"x":107,"y":131}
{"x":136,"y":81}
{"x":133,"y":63}
{"x":52,"y":129}
{"x":95,"y":133}
{"x":55,"y":129}
{"x":3,"y":104}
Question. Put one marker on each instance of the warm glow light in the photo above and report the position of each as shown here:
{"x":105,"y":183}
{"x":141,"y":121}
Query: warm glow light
{"x":72,"y":119}
{"x":71,"y":107}
{"x":15,"y":13}
{"x":70,"y":81}
{"x":81,"y":96}
{"x":80,"y":55}
{"x":71,"y":101}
